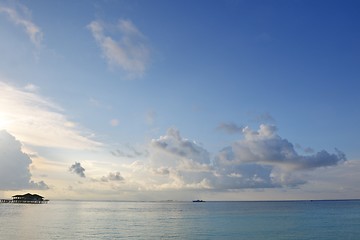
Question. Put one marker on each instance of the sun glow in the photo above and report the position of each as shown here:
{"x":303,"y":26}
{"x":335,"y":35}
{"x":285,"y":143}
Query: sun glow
{"x":3,"y":123}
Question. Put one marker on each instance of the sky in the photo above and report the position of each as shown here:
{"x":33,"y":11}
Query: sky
{"x":180,"y":100}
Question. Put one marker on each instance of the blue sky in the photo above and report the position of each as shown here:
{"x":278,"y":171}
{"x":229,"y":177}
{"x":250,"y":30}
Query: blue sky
{"x":154,"y":100}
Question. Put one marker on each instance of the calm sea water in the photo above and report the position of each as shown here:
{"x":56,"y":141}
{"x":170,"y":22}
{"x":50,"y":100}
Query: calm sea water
{"x":181,"y":220}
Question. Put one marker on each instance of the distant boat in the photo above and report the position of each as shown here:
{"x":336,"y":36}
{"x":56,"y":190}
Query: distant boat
{"x":198,"y":200}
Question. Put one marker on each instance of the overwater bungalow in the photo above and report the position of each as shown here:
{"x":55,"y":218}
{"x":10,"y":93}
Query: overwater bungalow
{"x":29,"y":198}
{"x":26,"y":198}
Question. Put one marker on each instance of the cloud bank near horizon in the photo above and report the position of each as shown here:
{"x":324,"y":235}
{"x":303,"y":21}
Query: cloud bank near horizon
{"x":259,"y":159}
{"x":262,"y":159}
{"x":14,"y":166}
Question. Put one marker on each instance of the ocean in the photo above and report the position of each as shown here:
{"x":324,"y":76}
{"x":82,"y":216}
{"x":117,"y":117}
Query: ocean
{"x":288,"y":220}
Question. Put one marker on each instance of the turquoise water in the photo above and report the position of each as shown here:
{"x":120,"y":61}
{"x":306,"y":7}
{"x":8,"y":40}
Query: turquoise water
{"x":181,"y":220}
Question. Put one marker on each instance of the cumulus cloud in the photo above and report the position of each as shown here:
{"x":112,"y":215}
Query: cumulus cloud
{"x":35,"y":120}
{"x":77,"y":169}
{"x":266,"y":147}
{"x":174,"y":163}
{"x":262,"y":159}
{"x":176,"y":147}
{"x":20,"y":15}
{"x":129,"y":52}
{"x":275,"y":160}
{"x":14,"y":166}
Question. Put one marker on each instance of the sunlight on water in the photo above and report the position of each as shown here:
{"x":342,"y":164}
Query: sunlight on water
{"x":181,"y":220}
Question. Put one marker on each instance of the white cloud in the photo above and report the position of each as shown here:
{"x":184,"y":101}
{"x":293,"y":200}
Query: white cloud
{"x":21,"y":16}
{"x":261,"y":160}
{"x":264,"y":159}
{"x":129,"y":52}
{"x":173,"y":163}
{"x":37,"y":121}
{"x":14,"y":166}
{"x":176,"y":147}
{"x":266,"y":147}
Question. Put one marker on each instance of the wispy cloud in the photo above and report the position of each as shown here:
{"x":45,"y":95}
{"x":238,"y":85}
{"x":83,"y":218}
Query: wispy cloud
{"x":264,"y":117}
{"x":21,"y":16}
{"x":230,"y":128}
{"x":150,"y":117}
{"x":35,"y":120}
{"x":129,"y":152}
{"x":129,"y":52}
{"x":31,"y":87}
